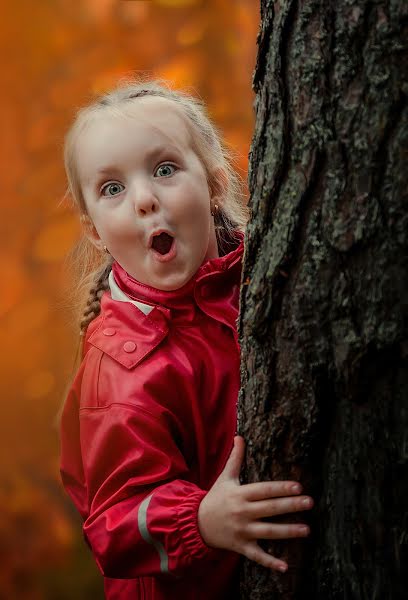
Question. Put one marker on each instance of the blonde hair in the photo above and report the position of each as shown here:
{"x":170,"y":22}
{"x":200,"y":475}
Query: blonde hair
{"x":92,"y":266}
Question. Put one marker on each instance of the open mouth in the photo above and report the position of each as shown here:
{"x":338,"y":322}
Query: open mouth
{"x":162,"y":243}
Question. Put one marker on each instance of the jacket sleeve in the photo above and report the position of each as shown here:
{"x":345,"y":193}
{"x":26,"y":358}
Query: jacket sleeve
{"x":123,"y":470}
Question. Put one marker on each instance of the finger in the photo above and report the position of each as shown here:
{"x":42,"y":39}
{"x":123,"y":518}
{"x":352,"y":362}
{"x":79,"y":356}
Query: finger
{"x":278,"y":506}
{"x":270,"y":489}
{"x":233,"y":465}
{"x":276,"y":531}
{"x":255,"y":553}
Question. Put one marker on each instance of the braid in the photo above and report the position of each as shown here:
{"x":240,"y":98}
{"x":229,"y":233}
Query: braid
{"x":93,"y":305}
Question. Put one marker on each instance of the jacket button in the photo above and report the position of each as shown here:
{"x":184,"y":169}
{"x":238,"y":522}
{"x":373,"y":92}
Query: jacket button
{"x":129,"y":346}
{"x":109,"y":331}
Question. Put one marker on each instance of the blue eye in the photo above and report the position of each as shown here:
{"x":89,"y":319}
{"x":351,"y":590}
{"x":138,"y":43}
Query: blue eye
{"x":111,"y":185}
{"x":166,"y":167}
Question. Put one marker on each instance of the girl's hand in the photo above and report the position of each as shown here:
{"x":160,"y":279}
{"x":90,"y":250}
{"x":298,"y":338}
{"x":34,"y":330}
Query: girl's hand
{"x":230,"y":514}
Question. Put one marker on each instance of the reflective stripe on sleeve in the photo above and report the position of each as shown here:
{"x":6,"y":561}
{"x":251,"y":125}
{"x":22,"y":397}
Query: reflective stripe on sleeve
{"x":144,"y":532}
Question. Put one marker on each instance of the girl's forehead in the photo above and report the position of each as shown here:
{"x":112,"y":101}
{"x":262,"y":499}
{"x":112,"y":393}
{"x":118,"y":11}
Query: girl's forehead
{"x":141,"y":125}
{"x":146,"y":116}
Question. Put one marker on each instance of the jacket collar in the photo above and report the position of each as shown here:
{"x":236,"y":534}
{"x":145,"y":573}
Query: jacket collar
{"x":120,"y":296}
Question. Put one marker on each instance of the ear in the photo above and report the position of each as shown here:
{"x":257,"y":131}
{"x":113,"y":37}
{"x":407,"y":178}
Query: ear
{"x":90,"y":231}
{"x":218,"y":185}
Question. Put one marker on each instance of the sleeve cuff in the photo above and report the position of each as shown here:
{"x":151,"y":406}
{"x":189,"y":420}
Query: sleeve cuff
{"x":187,"y":518}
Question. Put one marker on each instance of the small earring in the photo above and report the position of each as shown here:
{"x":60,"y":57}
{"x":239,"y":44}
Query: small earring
{"x":105,"y":249}
{"x":214,"y":210}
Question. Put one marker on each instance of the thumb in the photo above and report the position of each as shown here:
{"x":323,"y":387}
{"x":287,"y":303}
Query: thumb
{"x":233,"y":465}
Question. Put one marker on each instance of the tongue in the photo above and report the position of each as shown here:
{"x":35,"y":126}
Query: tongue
{"x":162,"y":243}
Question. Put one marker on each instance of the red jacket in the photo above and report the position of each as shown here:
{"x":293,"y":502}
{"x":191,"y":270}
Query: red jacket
{"x":147,"y":428}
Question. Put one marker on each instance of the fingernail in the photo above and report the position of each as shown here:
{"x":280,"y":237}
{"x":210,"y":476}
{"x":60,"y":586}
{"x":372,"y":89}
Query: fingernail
{"x":283,"y":568}
{"x":295,"y":488}
{"x":306,"y":502}
{"x":304,"y":530}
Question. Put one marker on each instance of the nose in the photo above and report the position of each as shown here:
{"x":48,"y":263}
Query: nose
{"x":144,"y":199}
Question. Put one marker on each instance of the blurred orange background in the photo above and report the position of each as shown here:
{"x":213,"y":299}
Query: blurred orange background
{"x":55,"y":54}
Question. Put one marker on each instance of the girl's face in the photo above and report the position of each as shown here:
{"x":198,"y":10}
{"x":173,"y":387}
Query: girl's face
{"x":138,"y":175}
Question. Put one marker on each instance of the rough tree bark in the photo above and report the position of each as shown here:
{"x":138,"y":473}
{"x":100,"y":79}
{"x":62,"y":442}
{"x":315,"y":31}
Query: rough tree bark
{"x":322,"y":331}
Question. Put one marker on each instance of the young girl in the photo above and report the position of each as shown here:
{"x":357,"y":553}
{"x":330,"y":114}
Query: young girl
{"x":148,"y":425}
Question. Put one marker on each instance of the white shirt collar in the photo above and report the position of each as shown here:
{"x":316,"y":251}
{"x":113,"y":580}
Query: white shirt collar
{"x":120,"y":296}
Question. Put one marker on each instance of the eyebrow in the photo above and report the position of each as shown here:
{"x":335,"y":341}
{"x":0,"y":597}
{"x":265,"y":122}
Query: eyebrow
{"x":106,"y":170}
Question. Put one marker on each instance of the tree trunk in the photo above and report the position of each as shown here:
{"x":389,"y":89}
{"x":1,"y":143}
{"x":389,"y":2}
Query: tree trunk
{"x":322,"y":330}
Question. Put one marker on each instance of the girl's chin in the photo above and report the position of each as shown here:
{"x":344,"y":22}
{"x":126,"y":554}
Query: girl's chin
{"x":172,"y":281}
{"x":171,"y":284}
